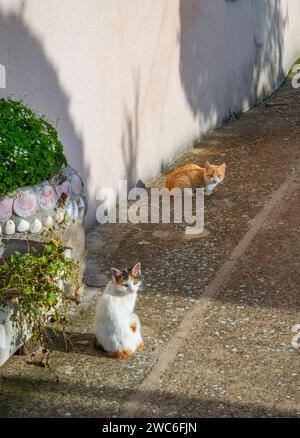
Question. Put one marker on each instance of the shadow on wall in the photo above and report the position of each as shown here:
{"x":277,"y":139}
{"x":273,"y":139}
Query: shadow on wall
{"x":131,"y":136}
{"x":231,"y":56}
{"x":204,"y":69}
{"x":31,"y":77}
{"x":219,"y":73}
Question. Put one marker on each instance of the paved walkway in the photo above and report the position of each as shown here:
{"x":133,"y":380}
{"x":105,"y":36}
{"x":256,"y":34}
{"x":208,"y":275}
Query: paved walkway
{"x":216,"y":309}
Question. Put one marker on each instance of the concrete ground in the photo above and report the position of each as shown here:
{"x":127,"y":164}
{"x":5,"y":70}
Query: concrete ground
{"x":216,"y":309}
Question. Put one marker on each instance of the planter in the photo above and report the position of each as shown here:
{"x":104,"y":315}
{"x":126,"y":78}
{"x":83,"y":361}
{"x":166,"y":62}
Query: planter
{"x":11,"y":338}
{"x":34,"y":214}
{"x":53,"y":209}
{"x":51,"y":205}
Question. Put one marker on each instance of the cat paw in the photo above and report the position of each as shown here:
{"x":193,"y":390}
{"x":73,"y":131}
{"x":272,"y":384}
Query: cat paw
{"x":119,"y":354}
{"x":141,"y":346}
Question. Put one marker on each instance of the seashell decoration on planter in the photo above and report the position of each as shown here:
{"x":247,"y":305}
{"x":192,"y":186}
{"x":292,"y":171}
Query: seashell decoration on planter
{"x":76,"y":185}
{"x":23,"y":226}
{"x":9,"y":228}
{"x":56,"y":203}
{"x":48,"y":221}
{"x":64,"y":189}
{"x":36,"y":226}
{"x":46,"y":197}
{"x":72,"y":212}
{"x":59,"y":216}
{"x":6,"y":208}
{"x":25,"y":204}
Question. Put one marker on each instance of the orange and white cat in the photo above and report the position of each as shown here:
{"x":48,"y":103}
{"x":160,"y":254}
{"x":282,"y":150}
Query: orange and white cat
{"x":117,"y":327}
{"x":194,"y":176}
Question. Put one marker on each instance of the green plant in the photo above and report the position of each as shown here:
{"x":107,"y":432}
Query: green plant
{"x":30,"y":150}
{"x":30,"y":282}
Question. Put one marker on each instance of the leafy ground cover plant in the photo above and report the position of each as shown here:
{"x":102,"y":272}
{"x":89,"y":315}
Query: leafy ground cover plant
{"x":30,"y":150}
{"x":30,"y":282}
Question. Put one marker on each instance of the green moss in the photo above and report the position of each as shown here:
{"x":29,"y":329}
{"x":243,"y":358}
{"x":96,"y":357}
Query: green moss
{"x":30,"y":150}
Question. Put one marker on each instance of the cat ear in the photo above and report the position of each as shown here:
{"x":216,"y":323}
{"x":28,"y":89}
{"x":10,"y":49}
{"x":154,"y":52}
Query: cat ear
{"x":116,"y":274}
{"x":223,"y":166}
{"x":208,"y":166}
{"x":136,"y":270}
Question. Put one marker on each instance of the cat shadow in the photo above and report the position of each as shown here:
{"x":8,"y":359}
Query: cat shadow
{"x":71,"y":342}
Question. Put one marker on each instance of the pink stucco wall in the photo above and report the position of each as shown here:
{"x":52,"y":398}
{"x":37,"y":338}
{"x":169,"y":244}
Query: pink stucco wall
{"x":130,"y":83}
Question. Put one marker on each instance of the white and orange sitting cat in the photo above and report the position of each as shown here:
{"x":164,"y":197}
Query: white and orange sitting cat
{"x":194,"y":176}
{"x":117,"y":327}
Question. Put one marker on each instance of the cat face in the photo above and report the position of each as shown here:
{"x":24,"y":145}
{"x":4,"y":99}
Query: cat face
{"x":214,"y":173}
{"x":127,"y":281}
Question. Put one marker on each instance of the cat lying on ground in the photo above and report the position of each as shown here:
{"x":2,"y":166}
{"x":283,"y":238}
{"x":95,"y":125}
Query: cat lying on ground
{"x":194,"y":176}
{"x":117,"y":327}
